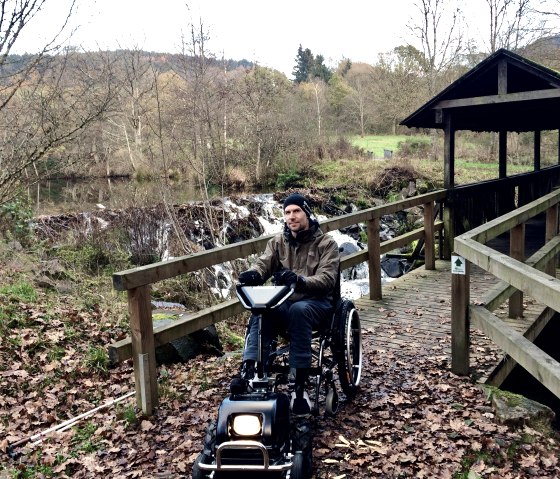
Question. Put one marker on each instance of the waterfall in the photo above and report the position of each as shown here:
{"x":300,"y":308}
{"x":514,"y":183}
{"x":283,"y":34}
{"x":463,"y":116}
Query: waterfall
{"x":244,"y":217}
{"x":354,"y":280}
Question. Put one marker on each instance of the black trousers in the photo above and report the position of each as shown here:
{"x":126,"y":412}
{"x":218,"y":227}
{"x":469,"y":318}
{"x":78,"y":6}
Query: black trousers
{"x":299,"y":319}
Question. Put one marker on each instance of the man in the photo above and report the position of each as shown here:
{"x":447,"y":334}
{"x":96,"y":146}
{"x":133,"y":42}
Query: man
{"x":304,"y":256}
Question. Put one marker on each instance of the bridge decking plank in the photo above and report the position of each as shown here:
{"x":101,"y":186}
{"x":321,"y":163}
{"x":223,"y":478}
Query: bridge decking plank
{"x":423,"y":319}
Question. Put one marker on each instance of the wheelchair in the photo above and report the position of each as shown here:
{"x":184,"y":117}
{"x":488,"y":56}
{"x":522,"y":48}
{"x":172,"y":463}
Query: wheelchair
{"x":255,"y":431}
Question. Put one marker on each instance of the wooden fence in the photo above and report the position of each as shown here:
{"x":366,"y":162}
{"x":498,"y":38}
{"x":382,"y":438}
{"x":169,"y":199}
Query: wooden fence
{"x":486,"y":200}
{"x":136,"y":282}
{"x":535,"y":277}
{"x":472,"y":205}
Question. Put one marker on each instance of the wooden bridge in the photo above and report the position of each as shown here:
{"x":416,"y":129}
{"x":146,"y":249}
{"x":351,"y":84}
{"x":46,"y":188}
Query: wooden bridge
{"x":415,"y":315}
{"x":431,"y":308}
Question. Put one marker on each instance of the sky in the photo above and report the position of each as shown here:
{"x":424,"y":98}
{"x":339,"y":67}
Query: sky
{"x":261,"y":31}
{"x":258,"y":30}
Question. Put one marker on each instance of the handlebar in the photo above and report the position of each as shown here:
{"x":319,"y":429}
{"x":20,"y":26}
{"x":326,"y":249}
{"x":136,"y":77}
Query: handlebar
{"x":261,"y":298}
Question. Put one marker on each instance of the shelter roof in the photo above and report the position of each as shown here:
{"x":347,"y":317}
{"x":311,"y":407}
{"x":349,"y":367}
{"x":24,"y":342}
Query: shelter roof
{"x":503,"y":92}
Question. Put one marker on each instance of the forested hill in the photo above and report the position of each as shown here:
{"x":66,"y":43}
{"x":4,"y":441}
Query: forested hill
{"x":162,"y":61}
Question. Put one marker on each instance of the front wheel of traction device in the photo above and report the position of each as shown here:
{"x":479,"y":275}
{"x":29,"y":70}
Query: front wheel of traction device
{"x":206,"y":456}
{"x":302,"y":450}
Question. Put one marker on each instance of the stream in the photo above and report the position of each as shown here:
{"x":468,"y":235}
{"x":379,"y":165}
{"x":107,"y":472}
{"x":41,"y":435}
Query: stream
{"x":54,"y":197}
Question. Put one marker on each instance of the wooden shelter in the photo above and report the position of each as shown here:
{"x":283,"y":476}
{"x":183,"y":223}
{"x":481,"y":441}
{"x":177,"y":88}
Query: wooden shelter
{"x":503,"y":93}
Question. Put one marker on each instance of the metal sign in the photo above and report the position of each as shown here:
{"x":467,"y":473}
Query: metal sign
{"x":458,"y":265}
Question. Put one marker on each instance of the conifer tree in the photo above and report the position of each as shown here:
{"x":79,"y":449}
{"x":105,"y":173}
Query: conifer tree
{"x":304,"y":65}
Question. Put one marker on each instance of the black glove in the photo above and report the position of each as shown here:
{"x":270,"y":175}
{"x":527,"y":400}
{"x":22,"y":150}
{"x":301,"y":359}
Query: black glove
{"x":250,"y":278}
{"x":287,"y":277}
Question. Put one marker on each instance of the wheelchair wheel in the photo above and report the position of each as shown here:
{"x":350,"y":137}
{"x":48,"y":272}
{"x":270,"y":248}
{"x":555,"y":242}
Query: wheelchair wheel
{"x":349,"y":347}
{"x":331,"y":402}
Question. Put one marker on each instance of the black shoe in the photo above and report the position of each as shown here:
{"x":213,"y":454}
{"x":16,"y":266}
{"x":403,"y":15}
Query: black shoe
{"x":238,"y":386}
{"x":300,"y":406}
{"x":248,"y":369}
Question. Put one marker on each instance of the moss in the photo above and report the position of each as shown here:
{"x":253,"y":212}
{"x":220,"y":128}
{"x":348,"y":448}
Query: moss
{"x":511,"y":399}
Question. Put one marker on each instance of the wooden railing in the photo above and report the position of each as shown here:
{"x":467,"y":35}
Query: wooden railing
{"x":472,"y":205}
{"x":141,"y":345}
{"x":535,"y":277}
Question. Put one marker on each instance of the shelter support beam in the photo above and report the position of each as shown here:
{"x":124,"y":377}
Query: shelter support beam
{"x":449,"y":228}
{"x":449,"y":152}
{"x":537,"y":151}
{"x":449,"y":182}
{"x":502,"y":153}
{"x":429,"y":250}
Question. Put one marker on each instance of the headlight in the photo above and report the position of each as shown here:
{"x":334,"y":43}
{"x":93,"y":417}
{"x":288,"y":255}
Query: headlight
{"x":246,"y":425}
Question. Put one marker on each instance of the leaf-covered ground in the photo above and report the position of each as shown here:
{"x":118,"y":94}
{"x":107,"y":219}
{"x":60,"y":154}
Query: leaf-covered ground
{"x":411,"y":419}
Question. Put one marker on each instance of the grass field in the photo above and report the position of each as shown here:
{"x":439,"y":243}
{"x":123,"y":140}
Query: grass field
{"x":377,"y":144}
{"x":467,"y":170}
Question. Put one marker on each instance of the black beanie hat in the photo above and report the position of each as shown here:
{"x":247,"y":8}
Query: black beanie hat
{"x":299,"y":200}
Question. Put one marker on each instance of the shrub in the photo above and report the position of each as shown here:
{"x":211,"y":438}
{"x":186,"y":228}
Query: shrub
{"x":15,"y":218}
{"x":236,"y":179}
{"x":287,"y":180}
{"x":97,"y":359}
{"x":392,"y":180}
{"x":414,"y":148}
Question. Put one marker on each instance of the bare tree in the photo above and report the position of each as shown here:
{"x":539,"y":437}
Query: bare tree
{"x":437,"y":28}
{"x":397,"y":82}
{"x":135,"y":80}
{"x":315,"y":91}
{"x":514,"y":23}
{"x":360,"y":99}
{"x":260,"y":93}
{"x":550,"y":9}
{"x":201,"y":96}
{"x":340,"y":116}
{"x":198,"y":130}
{"x":46,"y":100}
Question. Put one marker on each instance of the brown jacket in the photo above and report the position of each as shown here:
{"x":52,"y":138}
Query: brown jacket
{"x":313,"y":255}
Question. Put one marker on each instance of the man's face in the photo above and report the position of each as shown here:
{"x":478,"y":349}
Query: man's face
{"x":296,"y":219}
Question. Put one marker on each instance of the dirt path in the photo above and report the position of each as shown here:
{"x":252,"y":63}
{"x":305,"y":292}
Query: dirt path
{"x":411,"y":419}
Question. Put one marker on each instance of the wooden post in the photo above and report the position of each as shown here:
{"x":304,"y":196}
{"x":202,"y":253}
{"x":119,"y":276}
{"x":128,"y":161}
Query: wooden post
{"x":537,"y":151}
{"x":374,"y":259}
{"x":448,"y":153}
{"x":502,"y":154}
{"x":551,"y":232}
{"x":429,"y":251}
{"x":143,"y":350}
{"x":502,"y":77}
{"x":517,"y":251}
{"x":448,"y":228}
{"x":448,"y":183}
{"x":460,"y":324}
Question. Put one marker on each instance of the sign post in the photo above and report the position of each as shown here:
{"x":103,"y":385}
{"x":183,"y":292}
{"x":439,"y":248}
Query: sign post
{"x":460,"y":298}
